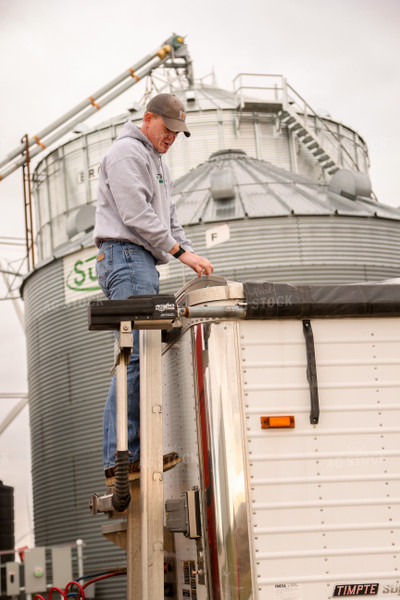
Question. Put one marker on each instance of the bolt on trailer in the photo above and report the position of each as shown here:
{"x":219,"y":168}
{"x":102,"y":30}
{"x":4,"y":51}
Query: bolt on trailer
{"x":283,"y":403}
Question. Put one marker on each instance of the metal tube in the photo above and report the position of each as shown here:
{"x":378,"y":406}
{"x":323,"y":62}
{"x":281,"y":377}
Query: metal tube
{"x":214,"y":312}
{"x":88,"y":101}
{"x":79,"y":550}
{"x":82,"y":117}
{"x":25,"y":206}
{"x":28,"y":209}
{"x":14,"y":412}
{"x":122,"y":403}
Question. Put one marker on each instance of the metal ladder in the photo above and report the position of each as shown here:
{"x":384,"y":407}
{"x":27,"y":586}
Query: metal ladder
{"x":145,"y":512}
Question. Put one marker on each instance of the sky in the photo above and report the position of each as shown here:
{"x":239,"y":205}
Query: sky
{"x":341,"y":56}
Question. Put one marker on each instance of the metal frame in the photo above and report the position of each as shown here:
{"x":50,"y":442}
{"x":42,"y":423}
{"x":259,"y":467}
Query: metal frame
{"x":151,"y":468}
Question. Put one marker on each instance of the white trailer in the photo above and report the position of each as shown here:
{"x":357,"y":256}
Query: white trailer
{"x":284,"y":404}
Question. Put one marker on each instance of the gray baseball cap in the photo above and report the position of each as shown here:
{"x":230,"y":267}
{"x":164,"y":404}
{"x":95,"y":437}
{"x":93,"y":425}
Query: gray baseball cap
{"x":172,"y":111}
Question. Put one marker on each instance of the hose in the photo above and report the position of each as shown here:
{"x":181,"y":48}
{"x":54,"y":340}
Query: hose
{"x":81,"y":588}
{"x":121,"y":496}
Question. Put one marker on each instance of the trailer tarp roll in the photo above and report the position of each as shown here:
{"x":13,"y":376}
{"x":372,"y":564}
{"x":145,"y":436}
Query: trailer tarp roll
{"x":280,"y":300}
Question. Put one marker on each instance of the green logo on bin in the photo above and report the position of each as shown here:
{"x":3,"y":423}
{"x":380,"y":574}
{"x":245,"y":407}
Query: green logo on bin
{"x":83,"y":278}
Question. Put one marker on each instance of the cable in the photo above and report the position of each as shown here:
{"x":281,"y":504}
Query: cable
{"x":56,"y":589}
{"x":71,"y":583}
{"x":81,"y":589}
{"x":53,"y":589}
{"x":104,"y":577}
{"x":122,"y":570}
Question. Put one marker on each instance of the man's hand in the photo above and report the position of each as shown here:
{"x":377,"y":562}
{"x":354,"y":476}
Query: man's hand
{"x":201,"y":265}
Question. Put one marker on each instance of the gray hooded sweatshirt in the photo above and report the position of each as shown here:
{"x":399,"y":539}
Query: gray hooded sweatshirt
{"x":134,"y":197}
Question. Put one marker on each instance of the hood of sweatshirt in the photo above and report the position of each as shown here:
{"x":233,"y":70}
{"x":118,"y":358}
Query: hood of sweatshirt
{"x":130,"y":130}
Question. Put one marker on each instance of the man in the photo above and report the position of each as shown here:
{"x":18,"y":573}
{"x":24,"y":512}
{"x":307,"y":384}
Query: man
{"x":136,"y":229}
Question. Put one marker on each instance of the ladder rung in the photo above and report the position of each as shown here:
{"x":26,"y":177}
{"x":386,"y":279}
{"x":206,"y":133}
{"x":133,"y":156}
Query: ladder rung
{"x":318,"y":151}
{"x":323,"y":158}
{"x":330,"y":163}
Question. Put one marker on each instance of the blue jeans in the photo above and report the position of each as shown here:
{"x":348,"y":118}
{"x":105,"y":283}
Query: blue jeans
{"x":125,"y":270}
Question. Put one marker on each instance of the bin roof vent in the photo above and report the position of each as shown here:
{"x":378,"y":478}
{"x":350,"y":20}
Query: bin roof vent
{"x":221,"y":181}
{"x":350,"y":184}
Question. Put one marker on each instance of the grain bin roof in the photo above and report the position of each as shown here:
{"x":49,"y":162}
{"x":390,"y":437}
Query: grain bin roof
{"x":232,"y":185}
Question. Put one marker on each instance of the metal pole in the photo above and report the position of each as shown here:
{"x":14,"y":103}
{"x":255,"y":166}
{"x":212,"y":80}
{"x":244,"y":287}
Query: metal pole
{"x":79,"y":550}
{"x":122,"y":404}
{"x":30,"y":250}
{"x":14,"y":412}
{"x":82,"y":117}
{"x":125,"y":348}
{"x":90,"y":100}
{"x":214,"y":312}
{"x":151,"y":466}
{"x":25,"y":208}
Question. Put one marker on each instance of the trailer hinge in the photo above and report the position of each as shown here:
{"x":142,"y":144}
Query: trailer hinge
{"x":311,"y":371}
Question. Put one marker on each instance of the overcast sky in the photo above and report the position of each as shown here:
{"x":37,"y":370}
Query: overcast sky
{"x":341,"y":56}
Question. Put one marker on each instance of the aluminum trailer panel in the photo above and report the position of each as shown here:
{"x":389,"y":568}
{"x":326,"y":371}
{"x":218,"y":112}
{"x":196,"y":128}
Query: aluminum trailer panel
{"x":324,"y":498}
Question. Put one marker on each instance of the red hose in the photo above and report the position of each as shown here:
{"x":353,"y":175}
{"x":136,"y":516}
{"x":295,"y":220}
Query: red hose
{"x":78,"y":585}
{"x":56,"y":589}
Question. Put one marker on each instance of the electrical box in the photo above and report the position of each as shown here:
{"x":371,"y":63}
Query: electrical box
{"x":61,"y":559}
{"x":12,"y":578}
{"x":35,"y":570}
{"x":183,"y":515}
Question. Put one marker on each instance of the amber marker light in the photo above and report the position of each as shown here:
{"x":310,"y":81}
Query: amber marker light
{"x":277,"y":422}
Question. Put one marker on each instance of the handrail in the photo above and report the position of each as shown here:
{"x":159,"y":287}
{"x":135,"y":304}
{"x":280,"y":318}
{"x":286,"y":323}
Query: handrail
{"x":322,"y":122}
{"x":303,"y":106}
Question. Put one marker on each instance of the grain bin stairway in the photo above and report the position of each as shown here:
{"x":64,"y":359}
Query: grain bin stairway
{"x":309,"y":140}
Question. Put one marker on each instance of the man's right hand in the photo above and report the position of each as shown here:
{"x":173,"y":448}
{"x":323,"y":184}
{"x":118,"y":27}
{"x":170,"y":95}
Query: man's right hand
{"x":199,"y":264}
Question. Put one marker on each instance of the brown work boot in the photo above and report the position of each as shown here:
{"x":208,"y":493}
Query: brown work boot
{"x":169,"y":461}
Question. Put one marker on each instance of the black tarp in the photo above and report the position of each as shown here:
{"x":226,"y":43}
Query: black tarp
{"x":280,"y":300}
